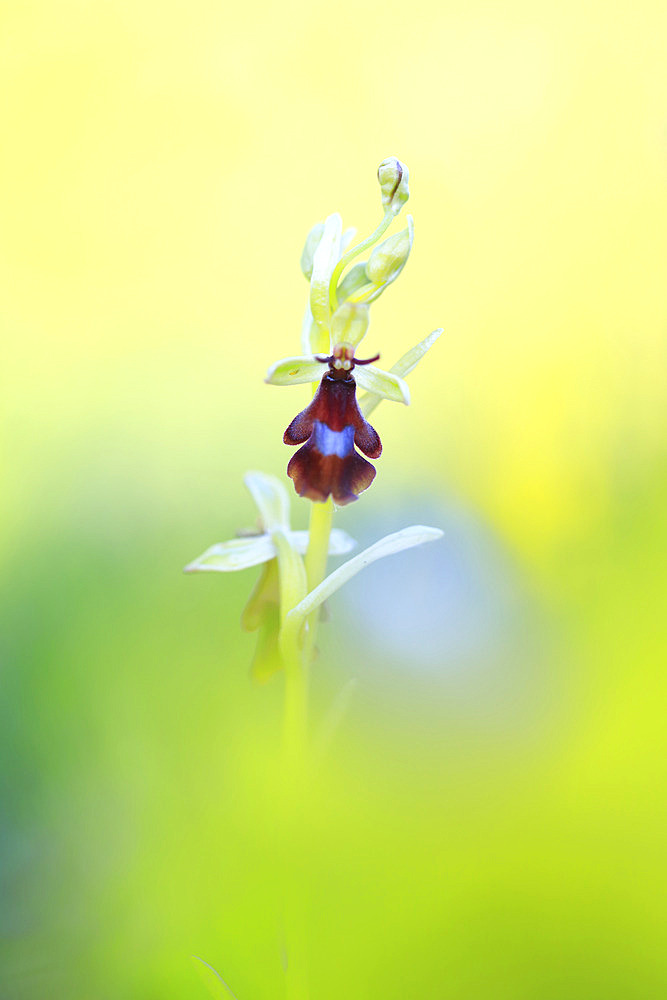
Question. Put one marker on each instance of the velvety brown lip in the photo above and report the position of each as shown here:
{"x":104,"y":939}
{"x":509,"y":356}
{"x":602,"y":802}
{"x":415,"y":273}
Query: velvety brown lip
{"x":336,"y":469}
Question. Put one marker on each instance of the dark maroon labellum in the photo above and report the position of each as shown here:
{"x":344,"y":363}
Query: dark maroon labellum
{"x":328,"y":463}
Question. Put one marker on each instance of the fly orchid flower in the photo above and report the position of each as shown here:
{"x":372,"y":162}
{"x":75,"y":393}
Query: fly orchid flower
{"x":329,"y":431}
{"x":336,"y":320}
{"x":331,"y":426}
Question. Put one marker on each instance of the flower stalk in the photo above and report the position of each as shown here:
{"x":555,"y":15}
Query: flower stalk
{"x":285,"y":605}
{"x":366,"y":244}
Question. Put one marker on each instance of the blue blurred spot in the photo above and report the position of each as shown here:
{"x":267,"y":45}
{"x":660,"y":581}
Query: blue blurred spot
{"x":453,"y":605}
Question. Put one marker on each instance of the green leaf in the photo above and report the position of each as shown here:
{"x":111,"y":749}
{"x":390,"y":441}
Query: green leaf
{"x":214,"y":982}
{"x":403,"y":367}
{"x":407,"y":538}
{"x":270,"y":498}
{"x":295,"y":370}
{"x":236,"y":554}
{"x":382,"y":383}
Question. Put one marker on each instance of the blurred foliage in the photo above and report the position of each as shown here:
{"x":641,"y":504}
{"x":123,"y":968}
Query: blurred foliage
{"x":490,"y":829}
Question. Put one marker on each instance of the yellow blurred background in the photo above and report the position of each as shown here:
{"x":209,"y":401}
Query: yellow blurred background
{"x":490,"y":820}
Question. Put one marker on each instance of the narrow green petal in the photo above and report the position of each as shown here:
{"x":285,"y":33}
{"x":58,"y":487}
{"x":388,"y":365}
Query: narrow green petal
{"x":403,"y":367}
{"x":312,"y":242}
{"x":271,"y":499}
{"x":407,"y":538}
{"x":381,"y":383}
{"x":238,"y":553}
{"x":339,"y":541}
{"x":294,"y":370}
{"x":325,"y":259}
{"x":412,"y":358}
{"x":308,"y":331}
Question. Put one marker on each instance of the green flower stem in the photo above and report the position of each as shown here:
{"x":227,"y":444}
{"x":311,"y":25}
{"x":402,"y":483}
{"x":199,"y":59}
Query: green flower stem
{"x":296,"y":706}
{"x":295,"y":771}
{"x":292,"y":583}
{"x":296,"y":649}
{"x":296,"y":646}
{"x":351,"y":254}
{"x":321,"y":517}
{"x":294,"y":764}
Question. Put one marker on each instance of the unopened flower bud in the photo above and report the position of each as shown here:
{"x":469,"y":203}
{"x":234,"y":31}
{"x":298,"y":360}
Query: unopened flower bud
{"x":312,"y":241}
{"x":387,"y":260}
{"x":350,"y":323}
{"x":393,"y":178}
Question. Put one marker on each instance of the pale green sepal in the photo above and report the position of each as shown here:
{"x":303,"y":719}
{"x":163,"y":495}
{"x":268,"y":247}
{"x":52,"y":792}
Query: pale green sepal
{"x":213,"y":981}
{"x":403,"y":367}
{"x":339,"y":541}
{"x":312,"y":242}
{"x":324,"y":261}
{"x":291,"y":570}
{"x":242,"y":553}
{"x":407,"y":538}
{"x":349,"y":323}
{"x":270,"y":498}
{"x":292,"y":371}
{"x":388,"y":260}
{"x":381,"y":383}
{"x":412,"y":357}
{"x":355,"y":279}
{"x":236,"y":554}
{"x":308,"y":332}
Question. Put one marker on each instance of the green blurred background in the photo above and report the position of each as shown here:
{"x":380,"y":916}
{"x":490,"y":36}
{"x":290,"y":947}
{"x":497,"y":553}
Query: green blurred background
{"x":490,"y":820}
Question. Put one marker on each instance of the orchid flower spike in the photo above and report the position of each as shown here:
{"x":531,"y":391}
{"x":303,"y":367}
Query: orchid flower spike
{"x":282,"y":607}
{"x":336,"y":320}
